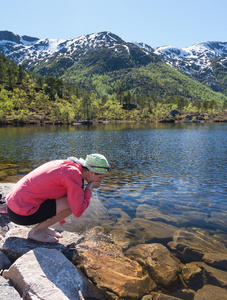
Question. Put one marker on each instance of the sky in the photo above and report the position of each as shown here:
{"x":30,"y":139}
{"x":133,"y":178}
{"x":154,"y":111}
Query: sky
{"x":177,"y":23}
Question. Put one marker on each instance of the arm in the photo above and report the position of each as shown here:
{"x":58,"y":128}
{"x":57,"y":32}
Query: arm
{"x":77,"y":198}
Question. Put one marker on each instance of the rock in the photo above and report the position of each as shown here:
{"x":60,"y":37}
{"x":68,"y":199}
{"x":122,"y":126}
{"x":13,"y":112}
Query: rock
{"x":152,"y":213}
{"x":174,"y":112}
{"x":162,"y":267}
{"x":159,"y":296}
{"x":193,"y":276}
{"x":192,"y":246}
{"x":5,"y":224}
{"x":211,"y":292}
{"x":217,"y":260}
{"x":197,"y":274}
{"x":5,"y":187}
{"x":153,"y":232}
{"x":184,"y":293}
{"x":15,"y":243}
{"x":119,"y":212}
{"x":7,"y":291}
{"x":5,"y":263}
{"x":46,"y":274}
{"x":112,"y":271}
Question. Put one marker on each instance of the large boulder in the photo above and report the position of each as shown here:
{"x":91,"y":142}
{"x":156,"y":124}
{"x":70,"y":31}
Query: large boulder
{"x":47,"y":274}
{"x":112,"y":271}
{"x":192,"y":246}
{"x":15,"y":243}
{"x":211,"y":292}
{"x":163,"y":268}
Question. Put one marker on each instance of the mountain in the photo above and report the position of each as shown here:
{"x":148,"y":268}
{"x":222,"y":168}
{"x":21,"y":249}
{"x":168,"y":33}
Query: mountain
{"x":205,"y":62}
{"x":103,"y":62}
{"x":38,"y":54}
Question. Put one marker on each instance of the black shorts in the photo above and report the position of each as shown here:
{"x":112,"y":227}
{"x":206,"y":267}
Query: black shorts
{"x":46,"y":211}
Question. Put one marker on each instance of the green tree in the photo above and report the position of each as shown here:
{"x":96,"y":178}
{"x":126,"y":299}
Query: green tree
{"x":86,"y":104}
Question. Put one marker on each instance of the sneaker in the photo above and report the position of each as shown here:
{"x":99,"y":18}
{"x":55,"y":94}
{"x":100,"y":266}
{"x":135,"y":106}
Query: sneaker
{"x":3,"y":206}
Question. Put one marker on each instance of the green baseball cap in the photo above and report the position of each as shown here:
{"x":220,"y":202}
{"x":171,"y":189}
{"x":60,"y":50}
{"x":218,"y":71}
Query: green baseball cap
{"x":97,"y":163}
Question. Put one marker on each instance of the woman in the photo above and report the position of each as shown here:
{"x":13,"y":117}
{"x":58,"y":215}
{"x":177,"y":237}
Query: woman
{"x":52,"y":192}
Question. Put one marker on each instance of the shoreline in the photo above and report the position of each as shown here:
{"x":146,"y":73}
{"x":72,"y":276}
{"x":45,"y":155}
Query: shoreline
{"x":186,"y":118}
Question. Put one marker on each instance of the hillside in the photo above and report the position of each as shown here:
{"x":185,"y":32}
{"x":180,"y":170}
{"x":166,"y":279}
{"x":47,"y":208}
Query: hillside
{"x":105,"y":52}
{"x":198,"y":62}
{"x":92,"y":77}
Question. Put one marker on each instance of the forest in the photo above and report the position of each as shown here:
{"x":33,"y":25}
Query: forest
{"x":138,"y":94}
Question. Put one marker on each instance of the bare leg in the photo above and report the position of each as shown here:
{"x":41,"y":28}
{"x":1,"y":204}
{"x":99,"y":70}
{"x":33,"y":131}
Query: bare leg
{"x":42,"y":233}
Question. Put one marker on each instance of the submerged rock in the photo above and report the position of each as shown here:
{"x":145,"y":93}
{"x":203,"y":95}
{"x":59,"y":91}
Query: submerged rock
{"x":217,"y":260}
{"x":112,"y":271}
{"x":159,"y":296}
{"x":211,"y":292}
{"x":153,"y":231}
{"x":197,"y":274}
{"x":163,"y":268}
{"x":192,"y":246}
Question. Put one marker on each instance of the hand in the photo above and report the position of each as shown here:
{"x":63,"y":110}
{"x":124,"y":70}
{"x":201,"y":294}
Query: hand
{"x":93,"y":185}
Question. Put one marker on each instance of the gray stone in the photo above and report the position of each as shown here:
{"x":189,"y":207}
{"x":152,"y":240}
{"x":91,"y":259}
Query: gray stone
{"x":5,"y":188}
{"x":211,"y":292}
{"x":15,"y":243}
{"x":7,"y":291}
{"x":46,"y":274}
{"x":192,"y":246}
{"x":5,"y":263}
{"x":163,"y":268}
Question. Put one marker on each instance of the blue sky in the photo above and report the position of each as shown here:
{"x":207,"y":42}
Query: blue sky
{"x":178,"y":23}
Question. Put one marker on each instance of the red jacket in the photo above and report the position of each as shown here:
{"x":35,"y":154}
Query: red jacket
{"x":51,"y":180}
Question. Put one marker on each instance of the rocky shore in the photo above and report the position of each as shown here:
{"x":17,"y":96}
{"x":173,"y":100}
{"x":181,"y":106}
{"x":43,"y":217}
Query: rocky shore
{"x":175,"y":264}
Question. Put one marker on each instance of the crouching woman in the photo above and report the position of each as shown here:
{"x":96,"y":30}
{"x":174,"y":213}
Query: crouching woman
{"x":54,"y":191}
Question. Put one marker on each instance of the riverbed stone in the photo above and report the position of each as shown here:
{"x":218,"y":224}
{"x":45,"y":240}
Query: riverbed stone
{"x":197,"y":274}
{"x":7,"y":291}
{"x":153,"y":231}
{"x":217,"y":260}
{"x":107,"y":266}
{"x":47,"y":274}
{"x":211,"y":292}
{"x":152,"y":213}
{"x":162,"y":267}
{"x":159,"y":296}
{"x":192,"y":246}
{"x":15,"y":242}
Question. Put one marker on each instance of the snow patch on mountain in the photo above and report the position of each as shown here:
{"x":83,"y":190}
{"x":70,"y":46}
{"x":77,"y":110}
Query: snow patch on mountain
{"x":198,"y":55}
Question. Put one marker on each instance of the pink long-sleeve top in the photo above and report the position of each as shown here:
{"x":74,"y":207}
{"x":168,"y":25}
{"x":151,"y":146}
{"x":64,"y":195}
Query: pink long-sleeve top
{"x":51,"y":180}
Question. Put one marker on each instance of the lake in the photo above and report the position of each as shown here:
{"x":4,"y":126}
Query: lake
{"x":171,"y":173}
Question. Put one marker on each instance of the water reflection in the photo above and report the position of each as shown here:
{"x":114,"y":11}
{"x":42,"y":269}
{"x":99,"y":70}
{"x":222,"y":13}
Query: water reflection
{"x":172,"y":173}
